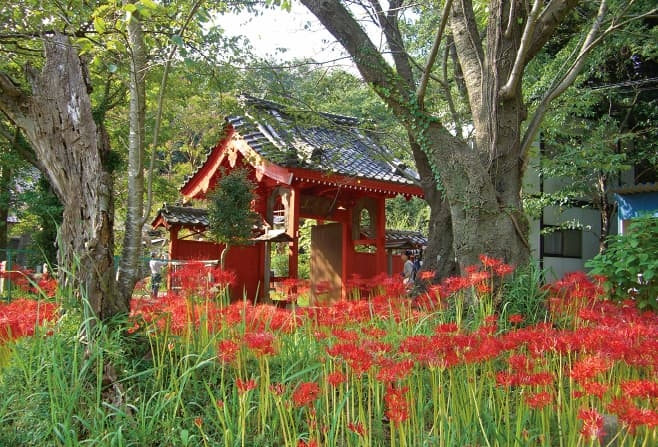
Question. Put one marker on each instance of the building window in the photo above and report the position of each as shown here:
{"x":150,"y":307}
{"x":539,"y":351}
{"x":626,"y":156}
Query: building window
{"x":563,"y":243}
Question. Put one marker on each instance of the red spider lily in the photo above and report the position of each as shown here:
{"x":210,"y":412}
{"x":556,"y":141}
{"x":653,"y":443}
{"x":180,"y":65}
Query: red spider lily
{"x":392,"y":287}
{"x":305,"y":394}
{"x":47,"y":286}
{"x":245,"y":385}
{"x":19,"y":277}
{"x":357,"y":358}
{"x":446,"y":328}
{"x":345,"y":334}
{"x":454,"y":284}
{"x":392,"y":371}
{"x":268,"y":318}
{"x":515,"y":318}
{"x":397,"y":407}
{"x":310,"y":443}
{"x":490,"y":262}
{"x":227,"y":350}
{"x":357,"y":286}
{"x":426,"y":275}
{"x":376,"y":347}
{"x":431,"y":300}
{"x":589,"y":367}
{"x":202,"y":280}
{"x":573,"y":292}
{"x":176,"y":314}
{"x":434,"y":351}
{"x":357,"y":427}
{"x":539,"y":400}
{"x":20,"y":317}
{"x":521,"y":363}
{"x":335,"y":378}
{"x":198,"y":421}
{"x":640,"y":388}
{"x":277,"y":389}
{"x":262,"y":343}
{"x":633,"y":415}
{"x":322,"y":287}
{"x":597,"y":389}
{"x":373,"y":332}
{"x":592,"y":424}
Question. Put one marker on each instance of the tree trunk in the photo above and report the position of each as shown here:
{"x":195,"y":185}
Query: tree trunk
{"x":130,"y":264}
{"x":483,"y":219}
{"x":491,"y":219}
{"x":70,"y":148}
{"x":439,"y":256}
{"x":5,"y":182}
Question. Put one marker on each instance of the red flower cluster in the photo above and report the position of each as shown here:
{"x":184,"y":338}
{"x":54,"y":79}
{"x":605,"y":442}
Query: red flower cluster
{"x":245,"y":385}
{"x":397,"y":407}
{"x":262,"y":343}
{"x":20,"y":317}
{"x":305,"y":394}
{"x":227,"y":350}
{"x":201,"y":280}
{"x":592,"y":424}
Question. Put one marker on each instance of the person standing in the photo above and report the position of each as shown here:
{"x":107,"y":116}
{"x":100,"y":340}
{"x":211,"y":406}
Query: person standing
{"x":408,"y":268}
{"x":156,"y":266}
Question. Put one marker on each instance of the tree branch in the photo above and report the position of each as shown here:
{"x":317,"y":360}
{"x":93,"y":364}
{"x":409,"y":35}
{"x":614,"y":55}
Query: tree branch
{"x":426,"y":72}
{"x":471,"y":55}
{"x":568,"y":78}
{"x":516,"y":74}
{"x":549,"y":19}
{"x":371,"y":64}
{"x":591,"y":41}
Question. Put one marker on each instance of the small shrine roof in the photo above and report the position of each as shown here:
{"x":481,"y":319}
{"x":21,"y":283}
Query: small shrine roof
{"x":184,"y":216}
{"x":308,"y":141}
{"x":402,"y":239}
{"x":316,"y":140}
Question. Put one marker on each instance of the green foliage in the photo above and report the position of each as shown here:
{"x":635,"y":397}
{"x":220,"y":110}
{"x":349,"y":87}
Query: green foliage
{"x":281,"y":253}
{"x":524,"y":295}
{"x":630,"y":265}
{"x":405,"y":214}
{"x":230,"y":217}
{"x":42,"y":216}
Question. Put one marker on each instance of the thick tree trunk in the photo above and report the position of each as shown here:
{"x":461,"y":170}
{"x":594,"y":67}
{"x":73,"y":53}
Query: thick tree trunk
{"x":439,"y":257}
{"x":57,"y":120}
{"x":494,"y":224}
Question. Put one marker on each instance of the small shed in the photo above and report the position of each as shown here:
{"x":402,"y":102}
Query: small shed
{"x":306,"y":165}
{"x":634,"y":201}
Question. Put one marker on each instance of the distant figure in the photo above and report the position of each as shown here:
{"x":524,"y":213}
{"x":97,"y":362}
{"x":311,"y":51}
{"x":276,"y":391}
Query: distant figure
{"x":156,"y":266}
{"x":418,"y":264}
{"x":408,"y":268}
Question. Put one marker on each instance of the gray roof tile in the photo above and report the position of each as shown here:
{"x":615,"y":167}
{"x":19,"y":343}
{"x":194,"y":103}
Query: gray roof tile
{"x":317,"y":141}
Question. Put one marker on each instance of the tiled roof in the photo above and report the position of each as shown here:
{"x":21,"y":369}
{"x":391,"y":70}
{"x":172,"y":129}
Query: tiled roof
{"x":317,"y":141}
{"x":183,"y":215}
{"x":402,"y":239}
{"x":198,"y":217}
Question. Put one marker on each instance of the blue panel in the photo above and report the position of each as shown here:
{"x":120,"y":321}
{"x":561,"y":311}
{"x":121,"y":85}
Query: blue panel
{"x":635,"y":205}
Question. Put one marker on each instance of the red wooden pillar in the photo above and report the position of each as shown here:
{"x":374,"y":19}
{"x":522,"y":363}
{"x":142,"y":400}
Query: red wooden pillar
{"x":380,"y":241}
{"x":293,"y":230}
{"x":347,"y":252}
